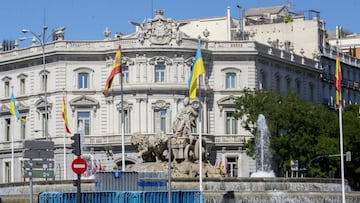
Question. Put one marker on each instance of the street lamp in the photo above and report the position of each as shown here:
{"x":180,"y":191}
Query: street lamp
{"x":42,"y":39}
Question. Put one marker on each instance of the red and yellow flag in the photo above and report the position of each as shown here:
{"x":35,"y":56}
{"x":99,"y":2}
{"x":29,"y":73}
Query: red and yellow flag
{"x":338,"y":78}
{"x":64,"y":115}
{"x":116,"y":68}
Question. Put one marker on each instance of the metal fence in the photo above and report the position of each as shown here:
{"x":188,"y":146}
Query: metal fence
{"x":123,"y":197}
{"x":130,"y":181}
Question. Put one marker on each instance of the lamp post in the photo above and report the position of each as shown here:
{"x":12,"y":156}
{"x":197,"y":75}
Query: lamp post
{"x":42,"y":39}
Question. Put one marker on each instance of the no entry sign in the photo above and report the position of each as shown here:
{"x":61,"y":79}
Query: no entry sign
{"x":79,"y":165}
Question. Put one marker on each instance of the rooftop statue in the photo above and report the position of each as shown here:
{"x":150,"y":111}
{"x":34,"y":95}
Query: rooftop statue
{"x":159,"y":31}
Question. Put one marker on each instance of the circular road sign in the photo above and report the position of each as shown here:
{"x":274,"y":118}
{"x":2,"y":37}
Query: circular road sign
{"x":79,"y":165}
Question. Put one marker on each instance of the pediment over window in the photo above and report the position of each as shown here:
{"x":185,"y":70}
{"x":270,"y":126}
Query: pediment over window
{"x":84,"y":102}
{"x":22,"y":75}
{"x":4,"y":110}
{"x":160,"y":104}
{"x":157,"y":60}
{"x":233,"y":69}
{"x":84,"y":69}
{"x":40,"y":105}
{"x":127,"y":61}
{"x":44,"y":72}
{"x":127,"y":106}
{"x":227,"y":102}
{"x":190,"y":61}
{"x":6,"y":78}
{"x":22,"y":108}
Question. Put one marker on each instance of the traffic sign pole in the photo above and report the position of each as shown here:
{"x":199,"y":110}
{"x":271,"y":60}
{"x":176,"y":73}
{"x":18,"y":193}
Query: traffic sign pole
{"x":78,"y":198}
{"x":79,"y":166}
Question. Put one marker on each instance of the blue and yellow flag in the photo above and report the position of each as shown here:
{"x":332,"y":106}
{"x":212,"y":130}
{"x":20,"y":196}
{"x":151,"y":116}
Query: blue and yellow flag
{"x":13,"y":110}
{"x":196,"y":71}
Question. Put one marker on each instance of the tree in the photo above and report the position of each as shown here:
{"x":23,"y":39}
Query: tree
{"x":351,"y":135}
{"x":299,"y":130}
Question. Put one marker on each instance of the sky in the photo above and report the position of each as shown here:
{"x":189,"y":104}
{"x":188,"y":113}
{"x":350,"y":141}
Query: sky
{"x":87,"y":19}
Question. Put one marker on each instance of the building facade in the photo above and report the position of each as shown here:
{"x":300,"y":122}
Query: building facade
{"x":156,"y":62}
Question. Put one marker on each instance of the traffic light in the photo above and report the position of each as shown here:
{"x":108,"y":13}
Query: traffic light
{"x":75,"y":145}
{"x":348,"y":156}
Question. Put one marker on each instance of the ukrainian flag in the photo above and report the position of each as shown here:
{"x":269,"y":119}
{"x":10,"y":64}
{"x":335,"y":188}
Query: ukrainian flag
{"x":196,"y":71}
{"x":13,"y":109}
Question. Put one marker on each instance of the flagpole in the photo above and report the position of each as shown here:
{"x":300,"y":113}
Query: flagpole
{"x":122,"y":124}
{"x":12,"y":146}
{"x":64,"y":147}
{"x":340,"y":125}
{"x":200,"y":137}
{"x":342,"y":156}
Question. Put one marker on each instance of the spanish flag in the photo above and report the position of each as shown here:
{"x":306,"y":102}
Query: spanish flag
{"x":338,"y":78}
{"x":64,"y":115}
{"x":196,"y":71}
{"x":116,"y":68}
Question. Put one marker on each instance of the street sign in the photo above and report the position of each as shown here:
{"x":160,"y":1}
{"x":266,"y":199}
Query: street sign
{"x":34,"y":144}
{"x":38,"y":154}
{"x":39,"y":174}
{"x":38,"y":164}
{"x":79,"y":165}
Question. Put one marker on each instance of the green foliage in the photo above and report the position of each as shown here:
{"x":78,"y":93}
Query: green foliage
{"x":303,"y":131}
{"x":288,"y":19}
{"x":297,"y":128}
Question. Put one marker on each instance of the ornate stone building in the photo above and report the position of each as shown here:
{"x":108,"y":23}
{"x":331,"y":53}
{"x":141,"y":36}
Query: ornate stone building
{"x":156,"y":65}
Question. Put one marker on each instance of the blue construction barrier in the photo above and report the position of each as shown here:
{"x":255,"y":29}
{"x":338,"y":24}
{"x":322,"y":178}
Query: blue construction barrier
{"x":123,"y":197}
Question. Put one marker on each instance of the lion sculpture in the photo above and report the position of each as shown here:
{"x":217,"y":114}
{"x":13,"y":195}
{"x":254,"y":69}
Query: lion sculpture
{"x":151,"y":148}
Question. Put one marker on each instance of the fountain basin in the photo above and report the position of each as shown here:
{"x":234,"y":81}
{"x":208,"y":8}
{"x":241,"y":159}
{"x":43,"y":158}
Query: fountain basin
{"x":262,"y":184}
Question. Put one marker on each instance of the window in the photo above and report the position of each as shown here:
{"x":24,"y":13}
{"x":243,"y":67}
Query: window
{"x":230,"y":79}
{"x":161,"y":116}
{"x":263,"y":82}
{"x":159,"y":73}
{"x":288,"y":83}
{"x":230,"y":123}
{"x":125,"y":72}
{"x":43,"y":122}
{"x":84,"y":121}
{"x":298,"y":87}
{"x":7,"y":88}
{"x":7,"y":170}
{"x":160,"y":120}
{"x":232,"y":167}
{"x":7,"y":129}
{"x":163,"y":120}
{"x":312,"y":93}
{"x":83,"y":80}
{"x":23,"y":128}
{"x":22,"y":86}
{"x":278,"y":83}
{"x":44,"y":82}
{"x":126,"y":121}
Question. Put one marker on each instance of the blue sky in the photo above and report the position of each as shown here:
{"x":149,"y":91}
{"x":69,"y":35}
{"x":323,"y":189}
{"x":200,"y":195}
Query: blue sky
{"x":87,"y":19}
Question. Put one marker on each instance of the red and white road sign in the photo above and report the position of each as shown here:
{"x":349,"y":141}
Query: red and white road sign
{"x":79,"y":165}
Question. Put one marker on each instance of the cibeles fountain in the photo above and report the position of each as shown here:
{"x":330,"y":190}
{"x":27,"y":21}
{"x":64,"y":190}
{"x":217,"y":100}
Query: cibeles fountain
{"x":261,"y":187}
{"x":184,"y":146}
